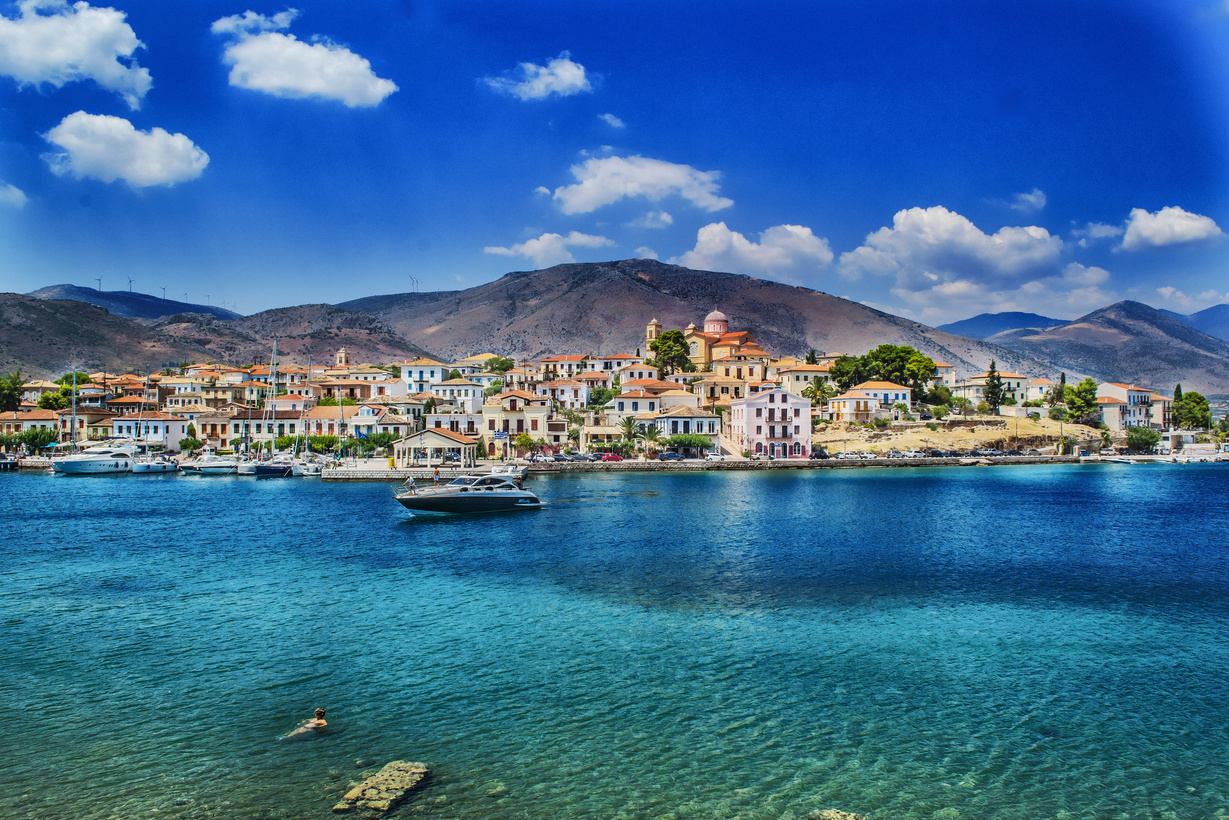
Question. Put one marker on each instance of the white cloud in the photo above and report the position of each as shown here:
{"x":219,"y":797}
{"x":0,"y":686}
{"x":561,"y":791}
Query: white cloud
{"x":607,"y":180}
{"x":938,"y":244}
{"x":110,"y":148}
{"x":66,"y":44}
{"x":1072,"y":291}
{"x":1214,"y":297}
{"x":781,"y":249}
{"x":653,"y":219}
{"x":1030,"y":202}
{"x":1168,"y":226}
{"x":551,"y":248}
{"x":1094,"y":231}
{"x":537,"y":82}
{"x":12,"y":196}
{"x":1176,"y":297}
{"x":264,"y":59}
{"x":645,"y":253}
{"x":612,"y":120}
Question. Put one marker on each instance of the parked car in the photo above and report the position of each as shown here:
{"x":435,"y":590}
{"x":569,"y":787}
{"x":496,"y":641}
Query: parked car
{"x":818,"y":453}
{"x":758,"y":457}
{"x":714,"y":457}
{"x":560,"y":457}
{"x":926,"y":417}
{"x":671,"y":457}
{"x":612,"y":457}
{"x":848,"y":456}
{"x":1083,"y":452}
{"x":1013,"y":453}
{"x":1032,"y":452}
{"x":452,"y":458}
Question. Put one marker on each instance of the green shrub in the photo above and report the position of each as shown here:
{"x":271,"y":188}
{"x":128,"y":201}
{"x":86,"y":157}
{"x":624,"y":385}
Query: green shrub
{"x":931,"y":426}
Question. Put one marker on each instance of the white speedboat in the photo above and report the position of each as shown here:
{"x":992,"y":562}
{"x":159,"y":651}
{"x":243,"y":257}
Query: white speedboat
{"x":151,"y":465}
{"x":212,"y":464}
{"x":107,"y":457}
{"x":308,"y":467}
{"x":468,"y":494}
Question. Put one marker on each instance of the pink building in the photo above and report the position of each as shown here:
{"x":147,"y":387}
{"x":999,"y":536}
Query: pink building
{"x":772,"y":422}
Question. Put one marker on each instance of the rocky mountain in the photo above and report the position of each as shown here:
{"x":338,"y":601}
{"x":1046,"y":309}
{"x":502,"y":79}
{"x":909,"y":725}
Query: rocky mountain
{"x":1213,"y":321}
{"x":987,"y":324}
{"x":1130,"y":342}
{"x":602,"y":308}
{"x":129,"y":304}
{"x":49,"y":337}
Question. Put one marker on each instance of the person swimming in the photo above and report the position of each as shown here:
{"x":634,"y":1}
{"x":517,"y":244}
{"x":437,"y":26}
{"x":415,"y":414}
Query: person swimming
{"x":309,"y":726}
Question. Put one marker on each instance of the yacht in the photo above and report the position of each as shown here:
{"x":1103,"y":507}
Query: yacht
{"x":468,"y":494}
{"x":151,"y":464}
{"x":107,"y":457}
{"x":276,"y":467}
{"x":213,"y":464}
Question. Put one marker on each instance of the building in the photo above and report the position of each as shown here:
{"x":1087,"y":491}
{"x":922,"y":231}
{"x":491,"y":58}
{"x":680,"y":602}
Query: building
{"x":631,"y":403}
{"x":772,"y":422}
{"x":564,"y":367}
{"x":1124,"y":405}
{"x":888,"y":394}
{"x":463,"y":393}
{"x":853,"y":407}
{"x":419,"y":374}
{"x":974,"y":389}
{"x":799,"y":377}
{"x":569,"y":393}
{"x":508,"y":415}
{"x":712,"y":343}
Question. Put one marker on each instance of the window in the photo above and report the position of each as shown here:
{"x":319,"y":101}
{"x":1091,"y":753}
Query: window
{"x":533,"y":424}
{"x":796,"y":411}
{"x":772,"y":397}
{"x":635,"y":406}
{"x":490,"y":424}
{"x":759,"y":430}
{"x":650,"y":405}
{"x":759,"y":412}
{"x":796,"y":429}
{"x":620,"y":407}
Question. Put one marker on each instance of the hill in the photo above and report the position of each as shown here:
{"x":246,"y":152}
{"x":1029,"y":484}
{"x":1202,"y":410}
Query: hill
{"x":987,"y":324}
{"x":129,"y":304}
{"x":49,"y":337}
{"x":1131,"y":342}
{"x":602,"y":308}
{"x":1213,"y":321}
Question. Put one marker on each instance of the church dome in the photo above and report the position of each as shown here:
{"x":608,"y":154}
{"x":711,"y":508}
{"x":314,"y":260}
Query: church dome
{"x":716,"y":316}
{"x":716,"y":322}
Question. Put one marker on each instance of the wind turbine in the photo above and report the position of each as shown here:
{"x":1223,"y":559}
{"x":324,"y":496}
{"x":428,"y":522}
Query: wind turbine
{"x":130,"y":284}
{"x":99,"y":281}
{"x":164,"y":292}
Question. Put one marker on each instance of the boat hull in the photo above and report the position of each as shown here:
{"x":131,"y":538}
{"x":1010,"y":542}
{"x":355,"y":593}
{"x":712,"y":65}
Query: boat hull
{"x":154,"y":467}
{"x":467,"y":503}
{"x":95,"y":467}
{"x":272,"y":470}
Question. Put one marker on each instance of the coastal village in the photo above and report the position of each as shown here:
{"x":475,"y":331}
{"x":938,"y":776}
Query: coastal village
{"x":698,"y":392}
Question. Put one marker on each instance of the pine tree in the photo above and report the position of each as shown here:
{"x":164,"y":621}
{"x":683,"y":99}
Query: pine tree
{"x":993,"y":393}
{"x":1177,"y":393}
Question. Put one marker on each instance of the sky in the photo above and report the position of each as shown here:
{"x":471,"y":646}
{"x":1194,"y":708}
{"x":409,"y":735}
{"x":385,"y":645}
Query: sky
{"x":935,"y":159}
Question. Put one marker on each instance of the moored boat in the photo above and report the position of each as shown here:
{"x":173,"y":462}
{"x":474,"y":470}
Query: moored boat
{"x":149,"y":465}
{"x":101,"y":459}
{"x":468,"y":494}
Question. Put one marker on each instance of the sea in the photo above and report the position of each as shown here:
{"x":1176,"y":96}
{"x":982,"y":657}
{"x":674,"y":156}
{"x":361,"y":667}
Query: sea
{"x":1006,"y":642}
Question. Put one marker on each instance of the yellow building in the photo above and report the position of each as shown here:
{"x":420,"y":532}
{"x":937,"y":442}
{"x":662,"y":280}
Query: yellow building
{"x":714,"y":342}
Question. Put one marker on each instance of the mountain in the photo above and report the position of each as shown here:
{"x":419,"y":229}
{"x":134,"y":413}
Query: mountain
{"x":1213,"y":321}
{"x":603,"y":308}
{"x":1130,"y":342}
{"x":987,"y":324}
{"x":129,"y":304}
{"x":49,"y":337}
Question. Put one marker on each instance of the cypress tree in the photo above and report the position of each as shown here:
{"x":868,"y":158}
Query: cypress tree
{"x":1177,"y":393}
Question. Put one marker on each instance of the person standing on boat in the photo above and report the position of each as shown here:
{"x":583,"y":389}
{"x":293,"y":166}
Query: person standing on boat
{"x":436,"y":476}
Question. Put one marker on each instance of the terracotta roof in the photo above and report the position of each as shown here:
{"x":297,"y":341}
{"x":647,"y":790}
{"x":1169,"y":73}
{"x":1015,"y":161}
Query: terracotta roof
{"x":636,"y":394}
{"x":564,"y":359}
{"x":1109,"y":400}
{"x":853,"y":395}
{"x":806,"y":368}
{"x":446,"y":433}
{"x":877,"y":385}
{"x":517,"y":394}
{"x":457,"y":383}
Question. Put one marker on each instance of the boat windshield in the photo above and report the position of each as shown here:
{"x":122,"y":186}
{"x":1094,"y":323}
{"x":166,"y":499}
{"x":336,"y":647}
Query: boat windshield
{"x":463,"y":481}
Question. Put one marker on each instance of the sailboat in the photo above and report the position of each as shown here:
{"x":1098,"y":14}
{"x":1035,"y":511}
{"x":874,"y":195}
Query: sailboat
{"x":146,"y":463}
{"x":276,"y":466}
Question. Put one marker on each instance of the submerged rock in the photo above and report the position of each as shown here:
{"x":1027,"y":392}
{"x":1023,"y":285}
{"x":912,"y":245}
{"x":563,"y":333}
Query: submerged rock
{"x":834,"y":814}
{"x":384,"y":790}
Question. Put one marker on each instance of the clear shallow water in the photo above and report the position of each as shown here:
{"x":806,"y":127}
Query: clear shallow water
{"x":1027,"y":642}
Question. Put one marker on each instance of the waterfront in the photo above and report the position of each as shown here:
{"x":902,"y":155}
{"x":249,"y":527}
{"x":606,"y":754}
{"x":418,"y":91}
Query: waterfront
{"x":1014,"y":642}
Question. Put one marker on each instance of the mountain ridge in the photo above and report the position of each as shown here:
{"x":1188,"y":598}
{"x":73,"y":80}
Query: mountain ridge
{"x":129,"y":304}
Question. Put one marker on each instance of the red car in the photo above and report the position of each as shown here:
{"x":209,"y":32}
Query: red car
{"x":612,"y":457}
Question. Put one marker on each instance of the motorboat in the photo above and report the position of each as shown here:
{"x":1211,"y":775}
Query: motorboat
{"x":246,"y":466}
{"x":103,"y":458}
{"x":468,"y":494}
{"x":150,"y":465}
{"x":213,"y":464}
{"x":278,"y":467}
{"x":307,"y":467}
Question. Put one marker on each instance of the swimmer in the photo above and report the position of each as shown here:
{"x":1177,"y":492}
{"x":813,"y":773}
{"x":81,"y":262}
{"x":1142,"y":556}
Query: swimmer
{"x":308,"y":726}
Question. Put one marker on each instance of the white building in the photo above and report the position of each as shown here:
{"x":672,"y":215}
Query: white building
{"x":772,"y":422}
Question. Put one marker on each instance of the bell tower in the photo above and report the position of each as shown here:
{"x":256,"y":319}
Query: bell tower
{"x":343,"y":358}
{"x":651,"y":333}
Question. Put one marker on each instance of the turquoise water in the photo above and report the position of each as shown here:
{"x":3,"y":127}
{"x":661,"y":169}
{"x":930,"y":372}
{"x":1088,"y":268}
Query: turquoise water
{"x":1007,"y":642}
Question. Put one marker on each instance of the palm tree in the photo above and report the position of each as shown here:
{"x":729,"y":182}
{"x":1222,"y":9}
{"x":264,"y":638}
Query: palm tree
{"x":819,"y":390}
{"x":651,"y":436}
{"x":630,"y":429}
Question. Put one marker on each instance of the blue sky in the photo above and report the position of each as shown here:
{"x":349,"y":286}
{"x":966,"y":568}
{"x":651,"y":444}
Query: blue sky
{"x":932,"y":159}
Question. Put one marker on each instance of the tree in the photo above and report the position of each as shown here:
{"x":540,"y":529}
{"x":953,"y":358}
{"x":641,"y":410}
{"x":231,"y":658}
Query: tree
{"x":53,"y":401}
{"x":651,"y":437}
{"x":10,"y":392}
{"x":499,"y":364}
{"x":522,"y":442}
{"x":1142,"y":439}
{"x":919,"y":370}
{"x":601,"y":396}
{"x":889,"y":362}
{"x":496,"y":387}
{"x":630,"y":429}
{"x":454,"y":374}
{"x":1058,"y":414}
{"x":962,"y":405}
{"x":67,"y":379}
{"x":37,"y":437}
{"x":993,"y":391}
{"x":1191,"y":412}
{"x":1082,"y":403}
{"x":939,"y":395}
{"x":1177,"y":393}
{"x":811,"y":357}
{"x":671,"y":353}
{"x":689,"y":441}
{"x":327,"y":401}
{"x":189,"y":443}
{"x":819,"y":390}
{"x":428,"y":406}
{"x":846,"y":371}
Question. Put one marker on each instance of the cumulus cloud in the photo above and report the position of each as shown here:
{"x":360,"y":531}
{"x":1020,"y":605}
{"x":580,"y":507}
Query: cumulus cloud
{"x":12,"y":196}
{"x":612,"y":120}
{"x":1176,"y":297}
{"x":551,"y":248}
{"x":262,"y":58}
{"x":1168,"y":226}
{"x":606,"y":180}
{"x":560,"y":76}
{"x":936,"y":244}
{"x":1072,"y":291}
{"x":1095,"y":231}
{"x":653,"y":219}
{"x":781,"y":249}
{"x":110,"y":148}
{"x":51,"y":42}
{"x":645,"y":253}
{"x":1029,"y":203}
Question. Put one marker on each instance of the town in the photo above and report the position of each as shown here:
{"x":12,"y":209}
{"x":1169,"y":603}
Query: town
{"x":698,"y":392}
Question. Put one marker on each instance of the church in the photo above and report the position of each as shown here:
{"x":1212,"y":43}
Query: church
{"x":714,"y":343}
